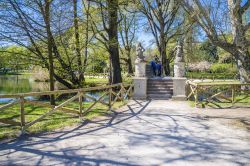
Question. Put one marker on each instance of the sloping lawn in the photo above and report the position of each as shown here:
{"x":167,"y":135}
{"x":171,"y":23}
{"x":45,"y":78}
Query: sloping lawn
{"x":52,"y":122}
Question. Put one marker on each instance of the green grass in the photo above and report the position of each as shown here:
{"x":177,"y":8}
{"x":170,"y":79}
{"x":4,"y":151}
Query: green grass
{"x":243,"y":103}
{"x":92,"y":82}
{"x":216,"y":82}
{"x":207,"y":75}
{"x":57,"y":120}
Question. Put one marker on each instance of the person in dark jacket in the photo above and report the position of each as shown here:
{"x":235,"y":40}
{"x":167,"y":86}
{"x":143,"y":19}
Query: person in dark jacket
{"x":158,"y":68}
{"x":153,"y":67}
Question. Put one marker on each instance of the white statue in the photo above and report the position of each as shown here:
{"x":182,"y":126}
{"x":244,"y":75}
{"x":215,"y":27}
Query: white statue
{"x":179,"y":63}
{"x":139,"y":53}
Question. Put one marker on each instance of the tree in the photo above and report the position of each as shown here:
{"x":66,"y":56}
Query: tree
{"x":46,"y":13}
{"x":207,"y":18}
{"x":106,"y":30}
{"x":77,"y":44}
{"x":127,"y":29}
{"x":210,"y":51}
{"x":24,"y":23}
{"x":161,"y":16}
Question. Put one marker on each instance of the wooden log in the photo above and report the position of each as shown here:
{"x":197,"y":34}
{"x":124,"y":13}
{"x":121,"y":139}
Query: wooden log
{"x":94,"y":99}
{"x":128,"y":91}
{"x":11,"y":122}
{"x":110,"y":99}
{"x":117,"y":95}
{"x":22,"y":112}
{"x":38,"y":103}
{"x":80,"y":104}
{"x":131,"y":90}
{"x":9,"y":104}
{"x":69,"y":110}
{"x":233,"y":95}
{"x":191,"y":93}
{"x":88,"y":109}
{"x":196,"y":96}
{"x":225,"y":98}
{"x":51,"y":111}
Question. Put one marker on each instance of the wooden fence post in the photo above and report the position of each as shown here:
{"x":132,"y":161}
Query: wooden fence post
{"x":110,"y":99}
{"x":22,"y":113}
{"x":196,"y":96}
{"x":122,"y":92}
{"x":80,"y":104}
{"x":233,"y":94}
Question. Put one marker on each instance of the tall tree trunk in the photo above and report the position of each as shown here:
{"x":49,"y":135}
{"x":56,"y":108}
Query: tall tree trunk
{"x":50,"y":55}
{"x":130,"y":66}
{"x":86,"y":43}
{"x":241,"y":53}
{"x":113,"y":40}
{"x":129,"y":61}
{"x":77,"y":45}
{"x":243,"y":65}
{"x":165,"y":62}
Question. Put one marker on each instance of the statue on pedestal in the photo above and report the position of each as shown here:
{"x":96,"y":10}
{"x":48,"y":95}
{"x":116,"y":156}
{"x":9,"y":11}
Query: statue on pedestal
{"x":179,"y":64}
{"x":179,"y":51}
{"x":139,"y":53}
{"x":140,"y":63}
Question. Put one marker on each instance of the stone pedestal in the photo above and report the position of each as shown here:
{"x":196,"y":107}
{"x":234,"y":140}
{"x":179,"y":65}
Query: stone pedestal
{"x":179,"y":69}
{"x":179,"y":92}
{"x":140,"y":69}
{"x":140,"y":88}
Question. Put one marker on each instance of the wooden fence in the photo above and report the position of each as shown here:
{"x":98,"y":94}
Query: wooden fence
{"x":205,"y":93}
{"x":113,"y":92}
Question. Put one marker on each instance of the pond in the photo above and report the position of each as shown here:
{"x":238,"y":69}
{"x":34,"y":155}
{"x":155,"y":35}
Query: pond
{"x":10,"y":84}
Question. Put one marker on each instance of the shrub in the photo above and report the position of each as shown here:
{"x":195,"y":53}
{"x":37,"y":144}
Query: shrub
{"x":223,"y":68}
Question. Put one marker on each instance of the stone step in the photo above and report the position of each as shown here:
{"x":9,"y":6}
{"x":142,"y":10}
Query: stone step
{"x":159,"y":97}
{"x":160,"y":82}
{"x":159,"y":87}
{"x":160,"y":93}
{"x":163,"y":85}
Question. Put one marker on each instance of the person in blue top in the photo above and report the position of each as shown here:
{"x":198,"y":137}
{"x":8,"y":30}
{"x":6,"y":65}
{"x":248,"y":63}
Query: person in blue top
{"x":158,"y":68}
{"x":153,"y":67}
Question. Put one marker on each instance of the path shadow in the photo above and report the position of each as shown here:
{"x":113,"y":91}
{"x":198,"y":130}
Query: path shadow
{"x":168,"y":136}
{"x":24,"y":142}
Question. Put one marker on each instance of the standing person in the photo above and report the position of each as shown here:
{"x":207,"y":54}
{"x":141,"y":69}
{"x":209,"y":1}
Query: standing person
{"x":158,"y":68}
{"x":156,"y":59}
{"x":153,"y":67}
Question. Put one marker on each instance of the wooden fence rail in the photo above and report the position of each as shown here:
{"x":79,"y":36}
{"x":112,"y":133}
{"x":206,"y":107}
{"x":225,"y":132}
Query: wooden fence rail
{"x":113,"y":92}
{"x":205,"y":93}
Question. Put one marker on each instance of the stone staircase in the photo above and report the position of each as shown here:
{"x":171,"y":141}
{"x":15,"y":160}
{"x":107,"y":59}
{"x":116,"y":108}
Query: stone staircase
{"x":159,"y":88}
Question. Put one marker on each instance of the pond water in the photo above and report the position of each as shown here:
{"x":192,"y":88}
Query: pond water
{"x":25,"y":83}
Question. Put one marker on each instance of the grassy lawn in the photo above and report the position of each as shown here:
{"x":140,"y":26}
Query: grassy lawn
{"x":216,"y":82}
{"x":207,"y":75}
{"x":243,"y":103}
{"x":92,"y":82}
{"x":55,"y":121}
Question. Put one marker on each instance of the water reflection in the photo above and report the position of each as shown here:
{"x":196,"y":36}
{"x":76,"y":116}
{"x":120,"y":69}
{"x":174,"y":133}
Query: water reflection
{"x":24,"y":83}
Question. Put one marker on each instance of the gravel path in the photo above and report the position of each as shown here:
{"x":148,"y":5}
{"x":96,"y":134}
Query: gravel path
{"x":142,"y":133}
